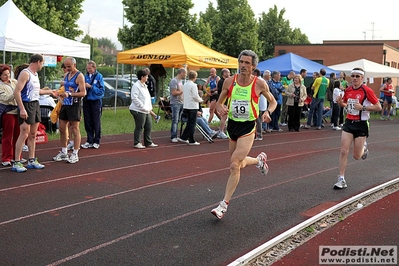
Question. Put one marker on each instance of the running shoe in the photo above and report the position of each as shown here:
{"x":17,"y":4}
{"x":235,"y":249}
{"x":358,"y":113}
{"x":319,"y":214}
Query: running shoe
{"x":25,"y":148}
{"x":18,"y":167}
{"x":182,"y":140}
{"x":220,"y":210}
{"x":96,"y":145}
{"x":222,"y":135}
{"x":262,"y":165}
{"x":23,"y":160}
{"x":70,"y":146}
{"x":214,"y":134}
{"x":87,"y":145}
{"x":365,"y":151}
{"x":336,"y":128}
{"x":61,"y":157}
{"x":194,"y":143}
{"x":74,"y":158}
{"x":34,"y":164}
{"x":6,"y":163}
{"x":139,"y":146}
{"x":157,"y":118}
{"x":153,"y":145}
{"x":340,"y":184}
{"x":174,"y":140}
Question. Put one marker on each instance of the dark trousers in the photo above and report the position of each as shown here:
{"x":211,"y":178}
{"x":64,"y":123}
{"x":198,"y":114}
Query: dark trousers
{"x":189,"y":131}
{"x":294,"y":117}
{"x":275,"y":117}
{"x":92,"y":111}
{"x":143,"y":125}
{"x":335,"y":114}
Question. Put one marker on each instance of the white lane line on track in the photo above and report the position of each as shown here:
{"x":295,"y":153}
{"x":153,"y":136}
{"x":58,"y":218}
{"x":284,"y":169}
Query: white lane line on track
{"x":251,"y":254}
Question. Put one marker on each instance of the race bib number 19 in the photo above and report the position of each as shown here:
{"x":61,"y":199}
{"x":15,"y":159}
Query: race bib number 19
{"x":240,"y":109}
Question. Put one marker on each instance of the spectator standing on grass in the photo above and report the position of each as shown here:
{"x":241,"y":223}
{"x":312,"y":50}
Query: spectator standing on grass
{"x":151,"y":85}
{"x":191,"y":99}
{"x":296,"y":96}
{"x":276,"y":88}
{"x":26,"y":94}
{"x":319,"y":89}
{"x":337,"y":92}
{"x":225,"y":74}
{"x":92,"y":105}
{"x":262,"y":109}
{"x":286,"y":81}
{"x":359,"y":100}
{"x":8,"y":115}
{"x":141,"y":108}
{"x":176,"y":101}
{"x":70,"y":113}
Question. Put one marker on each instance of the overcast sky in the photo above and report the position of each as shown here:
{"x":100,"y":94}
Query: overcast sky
{"x":319,"y":20}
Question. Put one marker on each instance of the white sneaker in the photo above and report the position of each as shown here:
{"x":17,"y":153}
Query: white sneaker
{"x":87,"y":145}
{"x":262,"y":165}
{"x":194,"y":143}
{"x":70,"y":146}
{"x":182,"y":140}
{"x":61,"y":157}
{"x":6,"y":163}
{"x":220,"y":210}
{"x":337,"y":128}
{"x":153,"y":145}
{"x":222,"y":135}
{"x":96,"y":145}
{"x":74,"y":158}
{"x":139,"y":146}
{"x":340,"y":184}
{"x":365,"y":151}
{"x":25,"y":148}
{"x":174,"y":140}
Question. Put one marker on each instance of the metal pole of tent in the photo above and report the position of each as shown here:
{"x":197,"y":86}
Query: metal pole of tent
{"x":116,"y":85}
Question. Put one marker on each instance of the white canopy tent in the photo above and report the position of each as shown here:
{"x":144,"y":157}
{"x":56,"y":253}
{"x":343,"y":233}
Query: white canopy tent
{"x":19,"y":34}
{"x":372,"y":69}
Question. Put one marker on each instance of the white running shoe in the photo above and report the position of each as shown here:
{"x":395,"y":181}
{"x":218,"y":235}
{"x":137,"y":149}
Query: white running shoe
{"x":34,"y":164}
{"x":365,"y":151}
{"x":262,"y":165}
{"x":182,"y":140}
{"x":87,"y":145}
{"x":222,"y":135}
{"x":61,"y":157}
{"x":220,"y":210}
{"x":139,"y":146}
{"x":336,"y":128}
{"x":96,"y":145}
{"x":70,"y":146}
{"x":340,"y":184}
{"x":74,"y":158}
{"x":174,"y":140}
{"x":25,"y":148}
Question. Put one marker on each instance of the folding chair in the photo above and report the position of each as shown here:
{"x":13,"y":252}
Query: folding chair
{"x":45,"y":112}
{"x":165,"y":106}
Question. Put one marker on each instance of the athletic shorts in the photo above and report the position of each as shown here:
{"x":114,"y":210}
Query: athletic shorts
{"x":236,"y":130}
{"x":214,"y":98}
{"x":388,"y":99}
{"x":357,"y":128}
{"x":33,"y":112}
{"x":71,"y":113}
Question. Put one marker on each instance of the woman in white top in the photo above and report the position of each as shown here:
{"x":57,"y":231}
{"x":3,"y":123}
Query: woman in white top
{"x":141,"y":108}
{"x":191,"y":99}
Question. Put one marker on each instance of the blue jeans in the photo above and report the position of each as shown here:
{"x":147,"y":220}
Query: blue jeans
{"x":177,"y":109}
{"x":203,"y":123}
{"x":316,"y":106}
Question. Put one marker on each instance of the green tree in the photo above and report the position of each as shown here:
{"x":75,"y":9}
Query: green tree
{"x":274,"y":29}
{"x":153,"y":20}
{"x":106,"y":42}
{"x":234,"y":27}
